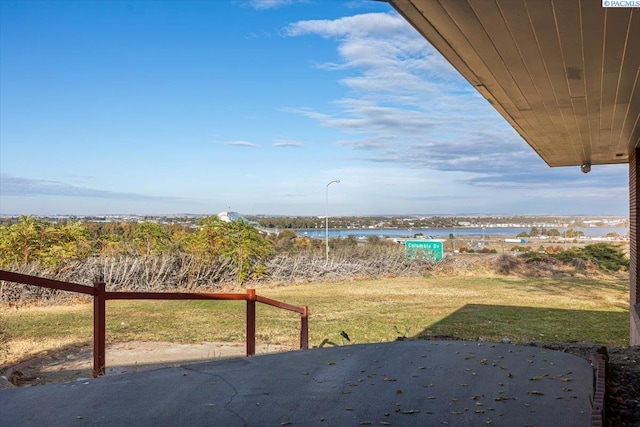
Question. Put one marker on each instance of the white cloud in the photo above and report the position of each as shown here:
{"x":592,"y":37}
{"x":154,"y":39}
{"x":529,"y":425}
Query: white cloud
{"x":272,"y":4}
{"x":288,"y":143}
{"x":408,"y":106}
{"x":27,"y":187}
{"x":241,"y":144}
{"x":387,"y":51}
{"x":366,"y":24}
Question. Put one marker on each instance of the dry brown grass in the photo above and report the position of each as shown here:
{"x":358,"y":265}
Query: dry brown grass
{"x":484,"y":308}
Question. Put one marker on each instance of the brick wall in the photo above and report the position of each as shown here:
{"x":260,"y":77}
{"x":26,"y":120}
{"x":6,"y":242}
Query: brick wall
{"x":634,"y":220}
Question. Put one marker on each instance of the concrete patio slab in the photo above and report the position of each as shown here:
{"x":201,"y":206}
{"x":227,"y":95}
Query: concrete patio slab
{"x":403,"y":383}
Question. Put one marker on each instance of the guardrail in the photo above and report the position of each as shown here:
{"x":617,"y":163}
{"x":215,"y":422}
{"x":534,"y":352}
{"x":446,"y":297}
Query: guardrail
{"x":100,"y":296}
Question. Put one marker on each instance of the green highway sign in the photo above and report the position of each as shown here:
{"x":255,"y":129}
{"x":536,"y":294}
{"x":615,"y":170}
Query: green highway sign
{"x":429,"y":249}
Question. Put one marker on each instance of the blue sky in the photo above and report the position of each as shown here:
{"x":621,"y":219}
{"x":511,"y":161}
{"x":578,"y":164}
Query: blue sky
{"x":167,"y":107}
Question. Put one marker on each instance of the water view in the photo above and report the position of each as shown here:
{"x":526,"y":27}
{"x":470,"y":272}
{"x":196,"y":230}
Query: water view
{"x":444,"y":233}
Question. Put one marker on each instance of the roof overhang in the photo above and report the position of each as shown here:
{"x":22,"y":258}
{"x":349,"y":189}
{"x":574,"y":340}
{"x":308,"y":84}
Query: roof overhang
{"x":565,"y":73}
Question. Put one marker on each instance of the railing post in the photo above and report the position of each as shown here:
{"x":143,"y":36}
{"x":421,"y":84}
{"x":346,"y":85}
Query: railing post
{"x":99,"y":326}
{"x":304,"y":328}
{"x":251,"y":322}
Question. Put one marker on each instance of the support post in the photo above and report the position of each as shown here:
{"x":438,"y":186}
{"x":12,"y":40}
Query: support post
{"x":304,"y":328}
{"x":251,"y":322}
{"x":99,"y":326}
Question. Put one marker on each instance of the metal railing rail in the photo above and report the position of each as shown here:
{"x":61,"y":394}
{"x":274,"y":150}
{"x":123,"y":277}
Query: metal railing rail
{"x":100,"y":296}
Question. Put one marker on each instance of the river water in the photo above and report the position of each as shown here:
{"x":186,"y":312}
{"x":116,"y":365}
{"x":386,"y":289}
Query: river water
{"x":443,"y":233}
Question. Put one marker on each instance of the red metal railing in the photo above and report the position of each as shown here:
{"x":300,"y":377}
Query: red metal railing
{"x":100,"y":296}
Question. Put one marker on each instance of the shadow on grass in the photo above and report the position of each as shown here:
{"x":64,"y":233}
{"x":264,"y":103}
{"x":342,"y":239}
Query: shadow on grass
{"x":481,"y":322}
{"x":577,"y":288}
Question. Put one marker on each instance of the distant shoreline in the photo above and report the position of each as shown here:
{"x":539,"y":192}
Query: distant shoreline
{"x":458,"y":232}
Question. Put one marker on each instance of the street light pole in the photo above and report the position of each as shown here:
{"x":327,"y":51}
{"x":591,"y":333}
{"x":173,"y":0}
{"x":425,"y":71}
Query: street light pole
{"x":326,"y":236}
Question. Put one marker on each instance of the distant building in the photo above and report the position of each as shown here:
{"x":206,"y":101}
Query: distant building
{"x":234,"y":216}
{"x":230,"y":216}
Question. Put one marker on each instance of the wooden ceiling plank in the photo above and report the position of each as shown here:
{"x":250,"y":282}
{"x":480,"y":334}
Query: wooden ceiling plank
{"x":626,"y":81}
{"x":616,"y":27}
{"x":457,"y":42}
{"x":592,"y":36}
{"x":569,"y":117}
{"x":609,"y":88}
{"x":532,"y":120}
{"x":543,"y":21}
{"x":412,"y":15}
{"x":616,"y":126}
{"x":567,"y":20}
{"x":635,"y":135}
{"x":519,"y":25}
{"x":567,"y":17}
{"x":582,"y":121}
{"x":605,"y":135}
{"x":496,"y":77}
{"x":533,"y":134}
{"x":492,"y":21}
{"x":631,"y":60}
{"x":450,"y":42}
{"x":628,"y":142}
{"x":558,"y":55}
{"x":543,"y":102}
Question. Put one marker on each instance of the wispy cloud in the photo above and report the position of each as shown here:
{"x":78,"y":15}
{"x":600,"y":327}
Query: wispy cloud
{"x":288,"y":143}
{"x":272,"y":4}
{"x":383,"y":49}
{"x":241,"y":144}
{"x":408,"y":106}
{"x":19,"y":186}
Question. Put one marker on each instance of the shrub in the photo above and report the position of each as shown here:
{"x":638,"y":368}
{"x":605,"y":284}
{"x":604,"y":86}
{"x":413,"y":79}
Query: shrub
{"x":609,"y":257}
{"x":535,"y":257}
{"x":606,"y":256}
{"x":505,"y":264}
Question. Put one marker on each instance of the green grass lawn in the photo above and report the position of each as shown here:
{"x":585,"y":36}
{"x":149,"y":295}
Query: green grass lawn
{"x":474,"y":308}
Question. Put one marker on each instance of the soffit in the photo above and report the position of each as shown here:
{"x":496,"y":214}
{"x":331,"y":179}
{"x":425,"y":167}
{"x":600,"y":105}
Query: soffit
{"x":565,"y":74}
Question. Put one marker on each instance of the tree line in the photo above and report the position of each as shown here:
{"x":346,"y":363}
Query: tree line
{"x":31,"y":240}
{"x":209,"y":256}
{"x":147,"y":256}
{"x":210,"y":241}
{"x":552,"y":232}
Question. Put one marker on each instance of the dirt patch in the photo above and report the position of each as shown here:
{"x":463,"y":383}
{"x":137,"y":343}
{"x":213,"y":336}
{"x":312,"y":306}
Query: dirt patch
{"x":122,"y":358}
